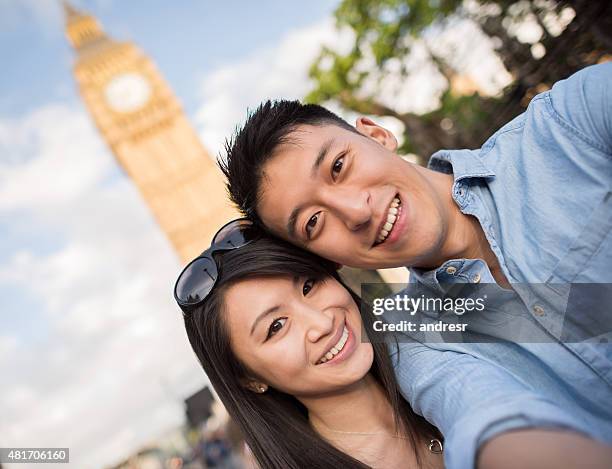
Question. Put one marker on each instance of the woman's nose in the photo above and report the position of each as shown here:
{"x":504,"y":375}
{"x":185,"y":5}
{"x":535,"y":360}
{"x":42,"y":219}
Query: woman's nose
{"x":320,"y":324}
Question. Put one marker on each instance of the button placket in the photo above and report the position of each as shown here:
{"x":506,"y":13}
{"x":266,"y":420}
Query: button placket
{"x":460,"y":194}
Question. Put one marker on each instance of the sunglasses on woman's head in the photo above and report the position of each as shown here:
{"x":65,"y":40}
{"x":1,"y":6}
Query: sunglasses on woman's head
{"x":198,"y":278}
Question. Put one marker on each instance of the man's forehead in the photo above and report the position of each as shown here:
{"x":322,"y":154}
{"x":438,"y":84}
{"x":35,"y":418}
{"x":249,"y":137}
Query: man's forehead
{"x":304,"y":143}
{"x":295,"y":156}
{"x":309,"y":135}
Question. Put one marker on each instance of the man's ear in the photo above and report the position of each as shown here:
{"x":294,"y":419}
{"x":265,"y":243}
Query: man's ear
{"x":369,"y":128}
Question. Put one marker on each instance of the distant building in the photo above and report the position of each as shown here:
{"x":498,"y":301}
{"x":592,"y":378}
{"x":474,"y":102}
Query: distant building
{"x":199,"y":407}
{"x":145,"y":127}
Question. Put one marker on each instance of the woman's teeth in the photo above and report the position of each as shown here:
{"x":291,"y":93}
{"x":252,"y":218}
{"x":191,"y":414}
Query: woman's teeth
{"x":335,"y":350}
{"x":391,"y":218}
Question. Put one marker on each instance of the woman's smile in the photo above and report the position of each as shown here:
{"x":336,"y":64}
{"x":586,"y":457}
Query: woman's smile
{"x":342,"y":350}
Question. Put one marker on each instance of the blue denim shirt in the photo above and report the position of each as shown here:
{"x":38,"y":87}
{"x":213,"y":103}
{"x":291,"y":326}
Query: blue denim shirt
{"x":541,"y":188}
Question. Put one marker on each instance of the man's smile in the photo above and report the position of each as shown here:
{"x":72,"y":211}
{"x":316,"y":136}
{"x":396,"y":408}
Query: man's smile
{"x":388,"y":221}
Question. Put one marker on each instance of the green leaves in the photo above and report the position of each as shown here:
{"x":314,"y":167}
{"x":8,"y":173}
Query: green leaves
{"x":386,"y":31}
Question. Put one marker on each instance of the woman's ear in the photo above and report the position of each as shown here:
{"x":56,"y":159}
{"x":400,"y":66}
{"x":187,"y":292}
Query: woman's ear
{"x":369,"y":128}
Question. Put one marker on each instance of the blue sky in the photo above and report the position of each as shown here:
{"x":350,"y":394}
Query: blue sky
{"x":186,"y":38}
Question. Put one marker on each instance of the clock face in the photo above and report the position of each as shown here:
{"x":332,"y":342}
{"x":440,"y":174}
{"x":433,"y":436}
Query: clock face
{"x":127,"y":92}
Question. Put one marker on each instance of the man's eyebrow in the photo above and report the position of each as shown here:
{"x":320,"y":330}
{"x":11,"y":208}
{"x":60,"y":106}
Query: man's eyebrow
{"x":263,"y":315}
{"x":321,"y":155}
{"x":323,"y":151}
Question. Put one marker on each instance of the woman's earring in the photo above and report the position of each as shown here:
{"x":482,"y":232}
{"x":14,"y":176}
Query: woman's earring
{"x":259,"y":388}
{"x":435,"y":446}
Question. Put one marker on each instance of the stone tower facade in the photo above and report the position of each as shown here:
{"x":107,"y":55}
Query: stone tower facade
{"x":144,"y":125}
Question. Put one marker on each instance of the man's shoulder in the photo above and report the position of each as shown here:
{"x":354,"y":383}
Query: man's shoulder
{"x":581,"y":103}
{"x":574,"y":112}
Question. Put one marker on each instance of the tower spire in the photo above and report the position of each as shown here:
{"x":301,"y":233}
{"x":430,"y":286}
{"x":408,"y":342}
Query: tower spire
{"x":82,"y":29}
{"x":70,"y":12}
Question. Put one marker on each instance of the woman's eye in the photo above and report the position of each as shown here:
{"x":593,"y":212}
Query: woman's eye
{"x":337,"y":166}
{"x":276,"y":326}
{"x":311,"y":224}
{"x":308,"y":285}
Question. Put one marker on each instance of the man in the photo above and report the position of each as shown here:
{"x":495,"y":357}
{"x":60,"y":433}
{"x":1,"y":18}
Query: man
{"x":533,"y":205}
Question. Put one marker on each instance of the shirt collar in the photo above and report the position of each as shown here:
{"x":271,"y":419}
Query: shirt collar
{"x":448,"y":272}
{"x":451,"y":272}
{"x":462,"y":164}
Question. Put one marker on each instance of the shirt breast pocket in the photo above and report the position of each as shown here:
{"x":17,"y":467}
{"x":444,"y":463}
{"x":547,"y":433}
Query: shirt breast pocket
{"x":588,"y":258}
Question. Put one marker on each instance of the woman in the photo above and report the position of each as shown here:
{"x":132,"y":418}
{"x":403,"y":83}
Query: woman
{"x":280,"y":338}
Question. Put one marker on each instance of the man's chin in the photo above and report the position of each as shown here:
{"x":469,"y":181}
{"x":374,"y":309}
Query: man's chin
{"x":374,"y":265}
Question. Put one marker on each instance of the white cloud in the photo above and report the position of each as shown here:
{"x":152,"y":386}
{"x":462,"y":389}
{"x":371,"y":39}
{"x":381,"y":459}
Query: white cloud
{"x":279,"y":71}
{"x":109,"y":339}
{"x":49,"y":159}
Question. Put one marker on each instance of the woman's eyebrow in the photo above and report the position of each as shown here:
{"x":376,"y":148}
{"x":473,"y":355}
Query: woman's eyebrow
{"x":262,"y":315}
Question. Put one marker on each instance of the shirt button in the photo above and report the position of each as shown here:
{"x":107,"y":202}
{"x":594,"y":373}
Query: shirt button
{"x":451,"y":270}
{"x":538,"y":310}
{"x":476,"y":278}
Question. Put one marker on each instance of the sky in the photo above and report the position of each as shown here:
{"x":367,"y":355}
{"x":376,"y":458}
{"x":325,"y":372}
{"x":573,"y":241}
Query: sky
{"x":93,"y":355}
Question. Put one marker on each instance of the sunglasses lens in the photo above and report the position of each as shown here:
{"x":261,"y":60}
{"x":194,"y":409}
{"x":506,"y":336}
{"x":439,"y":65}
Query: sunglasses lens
{"x":234,"y":234}
{"x":199,"y":277}
{"x":196,"y":281}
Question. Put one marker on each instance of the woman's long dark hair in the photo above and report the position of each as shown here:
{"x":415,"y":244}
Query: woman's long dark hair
{"x":275,"y":424}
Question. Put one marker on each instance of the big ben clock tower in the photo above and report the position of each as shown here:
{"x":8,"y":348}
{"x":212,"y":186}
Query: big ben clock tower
{"x":148,"y":132}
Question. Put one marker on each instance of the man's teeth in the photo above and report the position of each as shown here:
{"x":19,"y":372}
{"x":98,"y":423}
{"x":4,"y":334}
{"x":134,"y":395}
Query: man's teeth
{"x":335,"y":350}
{"x":391,"y":217}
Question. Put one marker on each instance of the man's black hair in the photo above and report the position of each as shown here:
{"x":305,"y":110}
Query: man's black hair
{"x":251,"y":146}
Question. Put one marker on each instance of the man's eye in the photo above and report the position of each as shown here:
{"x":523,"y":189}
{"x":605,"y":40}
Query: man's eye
{"x":308,"y":286}
{"x":311,"y":224}
{"x":337,"y":166}
{"x":276,"y":326}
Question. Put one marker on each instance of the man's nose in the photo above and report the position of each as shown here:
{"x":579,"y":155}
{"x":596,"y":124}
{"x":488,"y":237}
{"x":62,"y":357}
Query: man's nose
{"x":354,"y":209}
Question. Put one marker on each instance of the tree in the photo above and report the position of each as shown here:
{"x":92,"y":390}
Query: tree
{"x":387,"y":30}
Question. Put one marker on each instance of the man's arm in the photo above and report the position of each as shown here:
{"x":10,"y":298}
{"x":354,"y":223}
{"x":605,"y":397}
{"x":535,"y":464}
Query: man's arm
{"x":475,"y":403}
{"x":543,"y":449}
